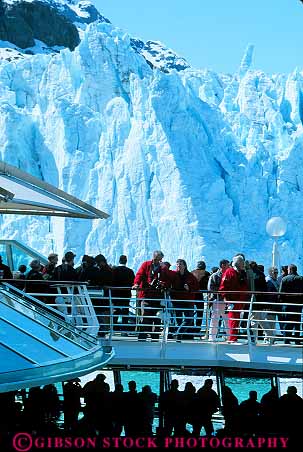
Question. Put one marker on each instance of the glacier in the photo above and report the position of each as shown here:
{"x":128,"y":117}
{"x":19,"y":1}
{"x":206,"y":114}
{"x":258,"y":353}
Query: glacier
{"x":185,"y":160}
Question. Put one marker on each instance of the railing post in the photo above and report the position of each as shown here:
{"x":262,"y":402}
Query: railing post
{"x":111,"y":313}
{"x":166,"y":318}
{"x":166,"y":322}
{"x":220,"y":384}
{"x":249,"y":318}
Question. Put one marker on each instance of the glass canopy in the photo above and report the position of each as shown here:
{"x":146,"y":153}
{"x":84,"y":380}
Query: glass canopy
{"x":21,"y":193}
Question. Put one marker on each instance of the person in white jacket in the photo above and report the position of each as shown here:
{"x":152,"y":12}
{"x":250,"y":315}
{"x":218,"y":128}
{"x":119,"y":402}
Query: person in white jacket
{"x":219,"y":306}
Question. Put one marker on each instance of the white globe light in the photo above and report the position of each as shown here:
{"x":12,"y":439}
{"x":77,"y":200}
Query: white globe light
{"x":276,"y":227}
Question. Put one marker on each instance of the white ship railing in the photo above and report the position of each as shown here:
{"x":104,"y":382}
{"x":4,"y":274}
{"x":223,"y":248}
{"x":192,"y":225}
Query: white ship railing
{"x":109,"y":316}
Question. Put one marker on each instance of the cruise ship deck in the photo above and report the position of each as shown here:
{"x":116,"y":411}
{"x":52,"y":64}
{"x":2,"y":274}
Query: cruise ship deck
{"x":108,"y":340}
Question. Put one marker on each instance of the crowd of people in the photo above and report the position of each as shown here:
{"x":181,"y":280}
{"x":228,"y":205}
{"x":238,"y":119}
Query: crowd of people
{"x":95,"y":409}
{"x":227,"y":289}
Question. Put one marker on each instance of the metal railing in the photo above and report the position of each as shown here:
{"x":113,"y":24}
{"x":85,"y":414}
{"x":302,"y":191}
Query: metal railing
{"x":50,"y":316}
{"x":99,"y":312}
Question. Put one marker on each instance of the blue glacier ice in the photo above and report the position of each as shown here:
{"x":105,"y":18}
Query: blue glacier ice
{"x":185,"y":160}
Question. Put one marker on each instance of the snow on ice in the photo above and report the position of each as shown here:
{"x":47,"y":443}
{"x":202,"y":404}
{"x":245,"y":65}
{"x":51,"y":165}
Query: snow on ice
{"x":184,"y":160}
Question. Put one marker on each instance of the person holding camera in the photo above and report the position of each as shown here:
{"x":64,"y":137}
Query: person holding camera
{"x":185,"y":287}
{"x":152,"y":279}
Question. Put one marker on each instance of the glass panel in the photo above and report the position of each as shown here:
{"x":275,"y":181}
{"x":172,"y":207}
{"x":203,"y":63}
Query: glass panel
{"x":297,"y":382}
{"x":241,"y":386}
{"x":11,"y":361}
{"x":141,"y":378}
{"x":26,"y":345}
{"x":91,"y":376}
{"x":196,"y":380}
{"x":20,"y":257}
{"x":50,"y":336}
{"x":3,"y":253}
{"x":44,"y":315}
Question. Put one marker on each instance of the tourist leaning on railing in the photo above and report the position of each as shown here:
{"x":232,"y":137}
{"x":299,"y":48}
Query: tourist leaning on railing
{"x":184,"y":287}
{"x":151,"y":278}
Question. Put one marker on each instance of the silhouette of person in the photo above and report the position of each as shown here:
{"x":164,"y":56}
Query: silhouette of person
{"x":50,"y":402}
{"x":230,"y":409}
{"x":189,"y":394}
{"x":93,"y":392}
{"x":33,"y":408}
{"x":171,"y":405}
{"x":290,"y":411}
{"x":148,"y":400}
{"x":72,"y":393}
{"x":269,"y":410}
{"x":249,"y":413}
{"x":206,"y":404}
{"x":119,"y":409}
{"x":133,"y":415}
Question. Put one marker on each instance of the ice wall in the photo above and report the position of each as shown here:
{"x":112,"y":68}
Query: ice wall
{"x":190,"y":162}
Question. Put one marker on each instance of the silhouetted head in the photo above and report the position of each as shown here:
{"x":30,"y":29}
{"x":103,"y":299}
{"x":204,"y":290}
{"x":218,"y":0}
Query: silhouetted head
{"x":146,"y":389}
{"x":189,"y":387}
{"x":119,"y":387}
{"x":69,"y":257}
{"x":253,"y":395}
{"x":84,"y":259}
{"x":35,"y":264}
{"x":284,"y":270}
{"x":132,"y":385}
{"x":22,"y":268}
{"x":292,"y":269}
{"x":226,"y":390}
{"x":100,"y":378}
{"x":53,"y":258}
{"x":90,"y":261}
{"x":201,"y":265}
{"x":292,"y":390}
{"x":174,"y":384}
{"x":208,"y":383}
{"x":101,"y":260}
{"x":123,"y":259}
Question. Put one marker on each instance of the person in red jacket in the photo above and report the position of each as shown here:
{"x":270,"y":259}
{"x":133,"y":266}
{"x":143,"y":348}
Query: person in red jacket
{"x":152,"y":279}
{"x":184,"y":288}
{"x":235,"y":279}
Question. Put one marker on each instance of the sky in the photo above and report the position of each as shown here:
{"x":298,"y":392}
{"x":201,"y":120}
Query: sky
{"x":214,"y":34}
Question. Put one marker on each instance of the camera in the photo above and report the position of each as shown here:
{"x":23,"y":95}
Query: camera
{"x":156,"y":284}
